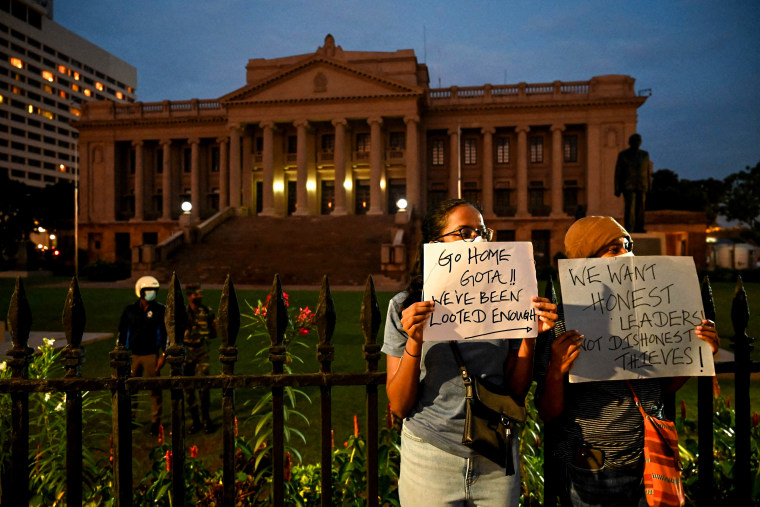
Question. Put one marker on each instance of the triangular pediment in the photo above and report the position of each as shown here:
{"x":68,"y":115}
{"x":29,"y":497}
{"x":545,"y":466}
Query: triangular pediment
{"x":316,"y":79}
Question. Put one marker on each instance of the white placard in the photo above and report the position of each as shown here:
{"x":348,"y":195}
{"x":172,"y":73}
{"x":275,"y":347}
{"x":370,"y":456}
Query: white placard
{"x":481,"y":290}
{"x":638,"y":315}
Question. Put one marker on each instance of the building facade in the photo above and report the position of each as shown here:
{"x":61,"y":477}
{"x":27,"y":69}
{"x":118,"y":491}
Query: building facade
{"x":351,"y":132}
{"x":46,"y":74}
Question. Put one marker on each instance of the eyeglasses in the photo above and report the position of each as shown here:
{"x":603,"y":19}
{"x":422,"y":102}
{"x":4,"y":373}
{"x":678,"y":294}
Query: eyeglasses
{"x":469,"y":234}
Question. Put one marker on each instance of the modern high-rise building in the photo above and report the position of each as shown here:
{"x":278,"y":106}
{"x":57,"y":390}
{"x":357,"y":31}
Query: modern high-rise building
{"x":46,"y":74}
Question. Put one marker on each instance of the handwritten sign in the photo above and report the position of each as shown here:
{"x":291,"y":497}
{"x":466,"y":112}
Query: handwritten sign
{"x":481,"y":290}
{"x":638,"y":315}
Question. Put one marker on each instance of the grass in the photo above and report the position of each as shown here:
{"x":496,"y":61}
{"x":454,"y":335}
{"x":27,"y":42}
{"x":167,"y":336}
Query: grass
{"x":104,"y":306}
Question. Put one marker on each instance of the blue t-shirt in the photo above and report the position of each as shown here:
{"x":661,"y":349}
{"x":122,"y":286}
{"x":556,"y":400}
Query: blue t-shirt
{"x":438,"y":415}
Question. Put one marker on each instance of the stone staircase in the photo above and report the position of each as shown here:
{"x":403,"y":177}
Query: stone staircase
{"x":300,"y":249}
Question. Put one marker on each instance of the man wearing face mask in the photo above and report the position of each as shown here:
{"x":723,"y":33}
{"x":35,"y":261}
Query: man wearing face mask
{"x":201,"y":327}
{"x":143,"y":332}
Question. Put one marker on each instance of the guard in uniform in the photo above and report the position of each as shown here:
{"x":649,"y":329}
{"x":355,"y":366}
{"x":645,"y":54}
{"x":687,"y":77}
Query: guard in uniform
{"x":201,"y":328}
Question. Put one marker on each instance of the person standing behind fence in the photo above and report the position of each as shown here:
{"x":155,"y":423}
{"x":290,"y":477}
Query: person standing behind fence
{"x":201,"y":327}
{"x":143,"y":332}
{"x":425,"y":387}
{"x":598,"y":430}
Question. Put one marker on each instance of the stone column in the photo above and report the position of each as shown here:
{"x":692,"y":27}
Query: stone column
{"x":454,"y":164}
{"x":195,"y":178}
{"x":522,"y":170}
{"x":166,"y":180}
{"x":139,"y":182}
{"x":557,"y":180}
{"x":246,"y":179}
{"x":267,"y":163}
{"x":302,"y":170}
{"x":375,"y":166}
{"x":235,"y":167}
{"x":224,"y":174}
{"x":412,"y":159}
{"x":340,"y":166}
{"x":487,"y":183}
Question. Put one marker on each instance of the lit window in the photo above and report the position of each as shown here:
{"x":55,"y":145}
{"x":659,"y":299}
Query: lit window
{"x":75,"y":87}
{"x":536,"y":150}
{"x":47,"y":75}
{"x":16,"y":62}
{"x":470,"y":151}
{"x":75,"y":111}
{"x":30,"y":109}
{"x":62,"y":168}
{"x":502,"y":150}
{"x":47,"y":114}
{"x":570,"y":149}
{"x":62,"y":94}
{"x":129,"y":89}
{"x":99,"y":85}
{"x":76,"y":76}
{"x":437,"y":152}
{"x":62,"y":69}
{"x":48,"y":88}
{"x":87,"y":92}
{"x":119,"y":95}
{"x":2,"y":99}
{"x":16,"y":90}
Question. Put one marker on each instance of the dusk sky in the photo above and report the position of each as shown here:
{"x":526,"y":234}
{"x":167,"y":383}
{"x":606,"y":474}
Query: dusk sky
{"x":699,"y":58}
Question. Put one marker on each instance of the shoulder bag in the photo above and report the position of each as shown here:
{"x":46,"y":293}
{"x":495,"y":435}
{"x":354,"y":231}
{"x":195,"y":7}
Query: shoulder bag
{"x":662,"y":461}
{"x":491,"y":415}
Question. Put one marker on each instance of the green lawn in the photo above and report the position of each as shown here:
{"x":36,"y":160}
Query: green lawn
{"x":104,"y":306}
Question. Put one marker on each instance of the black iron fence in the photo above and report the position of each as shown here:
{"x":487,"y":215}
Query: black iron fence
{"x":122,"y":386}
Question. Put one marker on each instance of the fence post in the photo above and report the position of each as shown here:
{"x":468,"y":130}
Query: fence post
{"x":705,"y":461}
{"x":121,"y":421}
{"x":277,"y":322}
{"x":228,"y":323}
{"x":73,"y":326}
{"x":176,"y":323}
{"x":742,"y":349}
{"x":19,"y":325}
{"x":370,"y":327}
{"x":325,"y":320}
{"x":551,"y":478}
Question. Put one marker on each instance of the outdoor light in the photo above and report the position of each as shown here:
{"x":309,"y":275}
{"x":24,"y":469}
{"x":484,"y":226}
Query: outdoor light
{"x":187,"y":207}
{"x":278,"y":186}
{"x":52,"y":237}
{"x":311,"y":185}
{"x":401,"y":204}
{"x":347,"y":185}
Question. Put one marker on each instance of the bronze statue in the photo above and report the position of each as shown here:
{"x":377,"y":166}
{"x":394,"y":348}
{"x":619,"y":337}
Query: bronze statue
{"x":633,"y":177}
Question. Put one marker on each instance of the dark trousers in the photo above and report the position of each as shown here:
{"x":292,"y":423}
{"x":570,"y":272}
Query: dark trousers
{"x":634,"y":211}
{"x":198,"y":366}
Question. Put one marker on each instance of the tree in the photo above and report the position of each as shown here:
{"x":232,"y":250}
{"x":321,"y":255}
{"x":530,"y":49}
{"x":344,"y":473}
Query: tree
{"x":741,"y":200}
{"x":670,"y":192}
{"x":15,"y":218}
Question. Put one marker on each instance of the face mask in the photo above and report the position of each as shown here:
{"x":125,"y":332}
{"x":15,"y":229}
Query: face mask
{"x":477,"y":240}
{"x":150,"y":295}
{"x":627,"y":254}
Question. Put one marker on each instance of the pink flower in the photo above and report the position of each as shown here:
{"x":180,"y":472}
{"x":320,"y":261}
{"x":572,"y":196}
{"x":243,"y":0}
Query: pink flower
{"x":168,"y":461}
{"x":194,"y":451}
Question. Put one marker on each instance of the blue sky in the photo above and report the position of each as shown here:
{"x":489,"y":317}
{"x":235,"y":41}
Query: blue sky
{"x":700,"y":58}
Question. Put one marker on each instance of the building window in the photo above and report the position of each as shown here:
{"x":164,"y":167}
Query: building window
{"x":536,"y":150}
{"x":502,"y":202}
{"x":541,"y":240}
{"x":16,"y":62}
{"x":215,"y":161}
{"x":187,"y":159}
{"x":292,"y":144}
{"x":362,"y":143}
{"x":570,"y":148}
{"x":536,"y":199}
{"x":397,"y":141}
{"x":328,"y":143}
{"x":502,"y":150}
{"x":48,"y":76}
{"x":470,"y":151}
{"x":437,"y":152}
{"x":570,"y":197}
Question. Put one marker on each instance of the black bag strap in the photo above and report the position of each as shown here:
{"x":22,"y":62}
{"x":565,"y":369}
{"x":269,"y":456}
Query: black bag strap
{"x":462,"y":370}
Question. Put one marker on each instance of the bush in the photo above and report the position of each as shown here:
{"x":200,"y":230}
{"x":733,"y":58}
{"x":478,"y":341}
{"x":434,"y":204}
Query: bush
{"x":101,"y":271}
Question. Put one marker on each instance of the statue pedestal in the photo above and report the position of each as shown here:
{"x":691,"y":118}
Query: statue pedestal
{"x":649,"y":243}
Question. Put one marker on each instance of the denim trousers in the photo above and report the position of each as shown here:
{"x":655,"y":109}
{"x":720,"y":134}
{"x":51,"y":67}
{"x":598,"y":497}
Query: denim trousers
{"x":432,"y":477}
{"x":603,"y":488}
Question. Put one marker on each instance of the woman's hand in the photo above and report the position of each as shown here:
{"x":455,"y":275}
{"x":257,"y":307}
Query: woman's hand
{"x":413,"y":319}
{"x":565,"y":350}
{"x":546,"y":312}
{"x":707,"y":332}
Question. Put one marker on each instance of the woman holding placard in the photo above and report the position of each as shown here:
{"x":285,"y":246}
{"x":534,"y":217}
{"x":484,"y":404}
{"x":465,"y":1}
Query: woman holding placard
{"x":597,"y":427}
{"x":425,"y":388}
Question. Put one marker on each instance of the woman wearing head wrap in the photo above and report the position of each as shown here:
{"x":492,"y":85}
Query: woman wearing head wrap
{"x":597,"y":428}
{"x":424,"y":385}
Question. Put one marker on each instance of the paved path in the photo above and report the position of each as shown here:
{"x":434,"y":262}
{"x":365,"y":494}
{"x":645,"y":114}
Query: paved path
{"x":35,"y":340}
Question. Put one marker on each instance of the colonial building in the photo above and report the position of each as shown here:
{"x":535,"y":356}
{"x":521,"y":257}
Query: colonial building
{"x":341,"y":132}
{"x":46,"y":74}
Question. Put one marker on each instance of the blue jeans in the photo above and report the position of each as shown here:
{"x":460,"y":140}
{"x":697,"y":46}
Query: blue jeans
{"x":432,"y":477}
{"x":603,"y":488}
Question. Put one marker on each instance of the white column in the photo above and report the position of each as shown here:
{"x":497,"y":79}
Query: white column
{"x":167,"y":192}
{"x":454,"y":164}
{"x":412,"y":159}
{"x":224,"y":174}
{"x":340,"y":166}
{"x":375,"y":166}
{"x":557,"y":180}
{"x":195,"y":178}
{"x":235,"y":167}
{"x":302,"y":170}
{"x":267,"y":162}
{"x":139,"y":182}
{"x":522,"y":170}
{"x":487,"y":182}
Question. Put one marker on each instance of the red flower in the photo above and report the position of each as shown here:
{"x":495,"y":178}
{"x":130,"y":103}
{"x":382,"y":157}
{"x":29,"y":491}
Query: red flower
{"x":388,"y":416}
{"x":728,"y":402}
{"x":356,"y":425}
{"x":303,"y":331}
{"x":194,"y":451}
{"x":683,"y":409}
{"x":287,"y":475}
{"x":168,"y":461}
{"x":716,"y":387}
{"x":236,"y":427}
{"x":160,"y":434}
{"x":332,"y":439}
{"x":755,"y":420}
